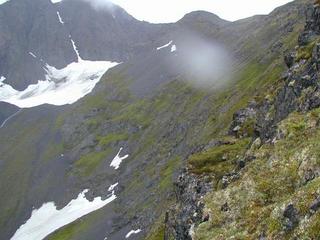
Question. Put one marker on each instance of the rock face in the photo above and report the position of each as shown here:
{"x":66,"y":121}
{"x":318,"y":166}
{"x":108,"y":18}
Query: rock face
{"x":298,"y":91}
{"x":291,"y":218}
{"x":189,"y":191}
{"x":300,"y":85}
{"x":312,"y":25}
{"x":31,"y":27}
{"x":107,"y":33}
{"x":32,"y":36}
{"x":147,"y":108}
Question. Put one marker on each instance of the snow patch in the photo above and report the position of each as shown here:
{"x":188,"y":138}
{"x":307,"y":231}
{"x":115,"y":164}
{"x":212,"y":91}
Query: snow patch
{"x":48,"y":219}
{"x":133,"y":232}
{"x":75,"y":48}
{"x":12,"y":116}
{"x":62,"y":86}
{"x":117,"y":160}
{"x":4,"y":1}
{"x":173,"y":48}
{"x":112,"y":187}
{"x":56,"y":1}
{"x":32,"y":54}
{"x":166,"y":45}
{"x":59,"y":17}
{"x":2,"y":79}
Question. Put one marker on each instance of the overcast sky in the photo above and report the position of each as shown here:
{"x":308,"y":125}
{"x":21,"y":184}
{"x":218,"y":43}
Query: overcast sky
{"x":172,"y":10}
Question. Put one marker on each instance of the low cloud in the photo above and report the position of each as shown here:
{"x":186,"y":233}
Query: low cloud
{"x":206,"y":63}
{"x":100,"y":4}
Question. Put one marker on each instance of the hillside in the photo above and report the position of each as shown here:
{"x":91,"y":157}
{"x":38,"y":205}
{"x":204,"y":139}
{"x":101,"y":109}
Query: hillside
{"x":238,"y":138}
{"x":260,"y":180}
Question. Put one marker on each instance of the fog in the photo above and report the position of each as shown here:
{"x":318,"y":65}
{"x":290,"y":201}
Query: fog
{"x":207,"y":63}
{"x":100,"y":4}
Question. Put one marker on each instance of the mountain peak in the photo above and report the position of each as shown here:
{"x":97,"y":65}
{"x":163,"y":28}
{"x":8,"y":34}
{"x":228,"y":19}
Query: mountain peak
{"x":203,"y":16}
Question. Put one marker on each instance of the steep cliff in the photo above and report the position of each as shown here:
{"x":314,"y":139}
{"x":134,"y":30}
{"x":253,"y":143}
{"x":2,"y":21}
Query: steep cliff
{"x":152,"y":108}
{"x":263,"y":176}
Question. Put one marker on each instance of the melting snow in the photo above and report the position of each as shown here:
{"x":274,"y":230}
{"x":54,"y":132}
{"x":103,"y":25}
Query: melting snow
{"x":164,"y":46}
{"x":133,"y":232}
{"x":60,"y":19}
{"x":62,"y":86}
{"x":173,"y":47}
{"x":32,"y":54}
{"x":75,"y":48}
{"x":12,"y":116}
{"x":2,"y":78}
{"x":117,"y":160}
{"x":112,"y":187}
{"x":48,"y":219}
{"x":3,"y":1}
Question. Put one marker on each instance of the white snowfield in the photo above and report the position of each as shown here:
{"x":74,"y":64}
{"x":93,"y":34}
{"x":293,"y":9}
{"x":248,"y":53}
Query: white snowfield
{"x":133,"y":232}
{"x":48,"y":219}
{"x":62,"y":86}
{"x":118,"y":160}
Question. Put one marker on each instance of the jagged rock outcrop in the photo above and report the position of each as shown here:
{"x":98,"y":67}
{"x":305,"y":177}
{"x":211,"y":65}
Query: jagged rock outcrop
{"x":300,"y":88}
{"x":312,"y":26}
{"x":34,"y":33}
{"x":158,"y":128}
{"x":180,"y":220}
{"x":299,"y":91}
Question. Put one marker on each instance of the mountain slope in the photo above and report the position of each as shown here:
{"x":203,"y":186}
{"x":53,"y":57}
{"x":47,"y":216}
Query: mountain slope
{"x":43,"y":33}
{"x":261,"y":180}
{"x":7,"y":110}
{"x":31,"y":27}
{"x":60,"y":151}
{"x":107,"y":33}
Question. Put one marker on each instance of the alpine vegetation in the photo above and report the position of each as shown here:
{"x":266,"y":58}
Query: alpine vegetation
{"x":202,"y":129}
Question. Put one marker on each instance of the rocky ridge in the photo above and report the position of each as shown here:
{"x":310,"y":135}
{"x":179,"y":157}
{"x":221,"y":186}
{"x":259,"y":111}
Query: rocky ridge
{"x":77,"y":142}
{"x":240,"y":203}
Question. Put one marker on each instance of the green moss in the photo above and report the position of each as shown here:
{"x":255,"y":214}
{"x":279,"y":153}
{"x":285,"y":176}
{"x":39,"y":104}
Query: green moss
{"x":305,"y":52}
{"x":218,"y":160}
{"x":166,"y":174}
{"x":54,"y":150}
{"x":79,"y":228}
{"x":136,"y":113}
{"x":157,"y":233}
{"x":89,"y":162}
{"x":248,"y":128}
{"x":274,"y":226}
{"x":268,"y":184}
{"x":68,"y":232}
{"x":59,"y":122}
{"x":112,"y":138}
{"x":312,"y":230}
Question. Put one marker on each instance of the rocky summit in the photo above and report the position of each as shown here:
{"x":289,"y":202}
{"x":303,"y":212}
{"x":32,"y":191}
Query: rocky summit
{"x":115,"y":128}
